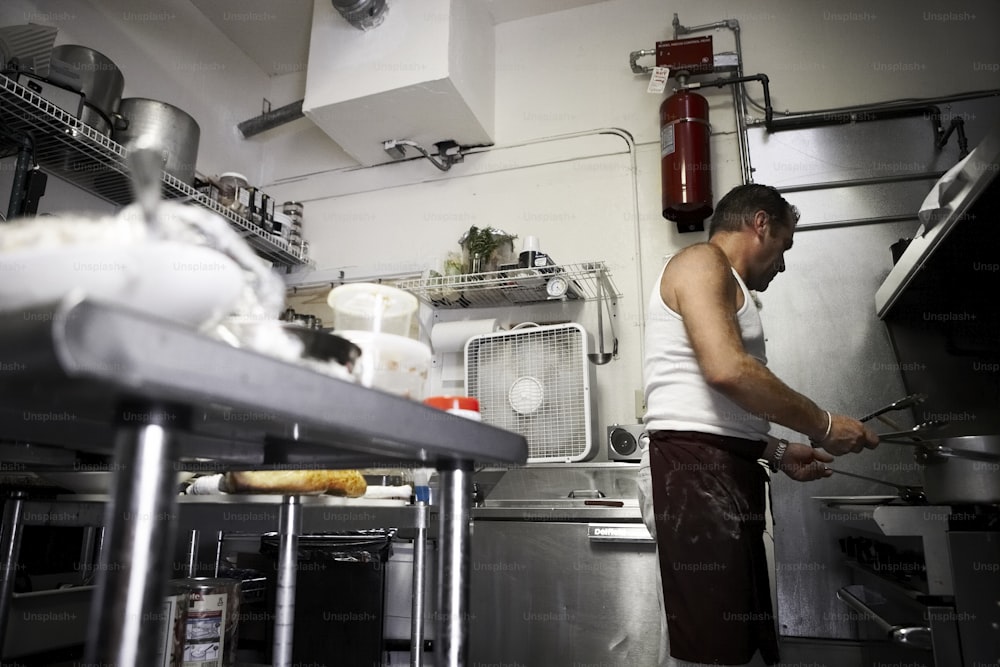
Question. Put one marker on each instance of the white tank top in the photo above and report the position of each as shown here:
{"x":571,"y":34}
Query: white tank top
{"x":677,"y":396}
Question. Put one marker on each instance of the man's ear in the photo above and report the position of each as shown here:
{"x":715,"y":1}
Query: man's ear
{"x":760,"y":222}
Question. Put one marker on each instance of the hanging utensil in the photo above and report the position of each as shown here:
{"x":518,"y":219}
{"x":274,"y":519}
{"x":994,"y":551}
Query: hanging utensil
{"x":145,"y":165}
{"x":611,"y":320}
{"x":600,"y":357}
{"x":901,"y":404}
{"x":908,"y":494}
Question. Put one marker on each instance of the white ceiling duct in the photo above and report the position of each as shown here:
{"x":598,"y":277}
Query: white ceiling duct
{"x":362,"y":14}
{"x":426,"y":75}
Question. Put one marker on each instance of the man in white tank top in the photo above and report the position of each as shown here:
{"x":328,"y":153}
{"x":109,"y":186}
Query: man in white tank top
{"x":710,"y":399}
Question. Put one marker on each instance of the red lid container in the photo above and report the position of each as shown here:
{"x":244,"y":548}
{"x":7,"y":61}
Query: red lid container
{"x":453,"y":403}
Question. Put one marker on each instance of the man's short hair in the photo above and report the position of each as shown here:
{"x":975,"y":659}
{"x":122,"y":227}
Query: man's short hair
{"x":739,"y":205}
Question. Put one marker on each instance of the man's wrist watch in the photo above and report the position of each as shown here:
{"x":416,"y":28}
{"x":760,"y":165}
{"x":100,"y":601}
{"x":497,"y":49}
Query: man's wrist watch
{"x":779,"y":453}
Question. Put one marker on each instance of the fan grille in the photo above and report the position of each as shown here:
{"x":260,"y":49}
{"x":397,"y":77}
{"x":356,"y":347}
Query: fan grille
{"x":535,"y":382}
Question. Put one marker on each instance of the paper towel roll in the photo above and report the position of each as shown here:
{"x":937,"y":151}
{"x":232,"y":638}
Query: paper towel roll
{"x":452,"y":336}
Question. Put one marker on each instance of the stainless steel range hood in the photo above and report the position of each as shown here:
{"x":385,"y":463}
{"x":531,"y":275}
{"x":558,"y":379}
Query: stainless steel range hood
{"x":949,"y":204}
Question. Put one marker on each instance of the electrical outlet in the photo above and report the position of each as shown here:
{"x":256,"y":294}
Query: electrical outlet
{"x":640,"y":405}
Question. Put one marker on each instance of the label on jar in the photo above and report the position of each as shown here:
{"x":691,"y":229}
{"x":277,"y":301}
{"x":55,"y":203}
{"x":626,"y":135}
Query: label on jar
{"x":169,"y":647}
{"x":206,"y":630}
{"x":243,"y":197}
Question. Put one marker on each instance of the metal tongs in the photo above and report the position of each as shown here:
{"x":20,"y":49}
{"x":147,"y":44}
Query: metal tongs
{"x":903,"y":436}
{"x":908,"y":494}
{"x":912,"y":436}
{"x":901,"y":404}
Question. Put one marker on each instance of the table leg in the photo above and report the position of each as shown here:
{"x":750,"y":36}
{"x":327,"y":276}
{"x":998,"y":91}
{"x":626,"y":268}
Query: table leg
{"x":289,"y":529}
{"x":192,"y":554}
{"x":140,"y":525}
{"x":419,"y":569}
{"x":87,"y":550}
{"x":451,"y":648}
{"x":11,"y":531}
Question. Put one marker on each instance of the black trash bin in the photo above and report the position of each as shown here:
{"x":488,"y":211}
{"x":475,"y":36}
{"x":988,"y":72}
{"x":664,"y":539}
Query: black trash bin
{"x":339,"y":596}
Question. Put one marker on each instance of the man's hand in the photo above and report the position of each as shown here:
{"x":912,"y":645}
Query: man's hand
{"x":804,"y":463}
{"x":848,"y":435}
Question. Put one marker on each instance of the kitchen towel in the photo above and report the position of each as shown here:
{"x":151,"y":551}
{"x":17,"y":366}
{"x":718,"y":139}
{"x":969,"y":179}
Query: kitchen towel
{"x":450,"y":337}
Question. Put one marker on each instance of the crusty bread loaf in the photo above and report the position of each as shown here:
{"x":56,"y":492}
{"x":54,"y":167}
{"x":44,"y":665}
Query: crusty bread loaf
{"x":348,"y":483}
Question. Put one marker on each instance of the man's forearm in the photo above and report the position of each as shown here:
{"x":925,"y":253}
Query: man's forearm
{"x":759,"y":391}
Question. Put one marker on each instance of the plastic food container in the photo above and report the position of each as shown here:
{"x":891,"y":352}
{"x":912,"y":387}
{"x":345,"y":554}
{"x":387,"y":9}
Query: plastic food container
{"x":372,"y":307}
{"x":392,"y":363}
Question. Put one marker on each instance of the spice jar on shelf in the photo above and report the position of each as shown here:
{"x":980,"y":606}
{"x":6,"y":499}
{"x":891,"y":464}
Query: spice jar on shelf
{"x":294,"y":211}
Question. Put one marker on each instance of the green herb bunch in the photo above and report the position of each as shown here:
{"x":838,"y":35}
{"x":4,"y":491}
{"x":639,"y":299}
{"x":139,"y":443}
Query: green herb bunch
{"x":484,"y":242}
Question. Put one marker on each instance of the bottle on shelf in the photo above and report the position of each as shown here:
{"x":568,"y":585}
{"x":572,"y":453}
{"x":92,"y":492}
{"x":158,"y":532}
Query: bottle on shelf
{"x":531,"y":257}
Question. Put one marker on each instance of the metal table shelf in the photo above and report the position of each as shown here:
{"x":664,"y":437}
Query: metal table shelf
{"x":76,"y":152}
{"x":513,"y":286}
{"x":102,"y":380}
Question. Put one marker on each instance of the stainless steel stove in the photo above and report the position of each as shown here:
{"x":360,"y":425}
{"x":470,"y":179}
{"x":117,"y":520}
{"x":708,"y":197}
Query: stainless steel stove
{"x":925,"y":584}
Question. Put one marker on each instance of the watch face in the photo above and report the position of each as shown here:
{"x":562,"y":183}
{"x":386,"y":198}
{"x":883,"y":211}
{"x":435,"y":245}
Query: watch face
{"x":556,"y":286}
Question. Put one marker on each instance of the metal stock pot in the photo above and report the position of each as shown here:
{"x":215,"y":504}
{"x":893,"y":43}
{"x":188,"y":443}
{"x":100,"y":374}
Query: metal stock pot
{"x":90,"y":72}
{"x":961,"y":470}
{"x":170,"y":129}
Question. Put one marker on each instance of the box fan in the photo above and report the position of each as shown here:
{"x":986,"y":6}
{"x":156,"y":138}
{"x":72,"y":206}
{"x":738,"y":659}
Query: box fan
{"x":535,"y":381}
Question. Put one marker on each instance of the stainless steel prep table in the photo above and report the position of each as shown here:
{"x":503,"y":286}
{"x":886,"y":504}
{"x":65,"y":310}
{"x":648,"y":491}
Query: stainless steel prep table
{"x":93,"y":378}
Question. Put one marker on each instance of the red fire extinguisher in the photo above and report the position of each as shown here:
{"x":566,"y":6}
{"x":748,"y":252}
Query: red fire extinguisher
{"x":685,"y":161}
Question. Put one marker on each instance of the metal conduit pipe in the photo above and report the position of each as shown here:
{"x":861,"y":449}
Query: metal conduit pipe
{"x":857,"y":182}
{"x":728,"y":81}
{"x":864,"y":114}
{"x":683,"y":30}
{"x":448,"y":152}
{"x":635,"y":55}
{"x":739,"y":93}
{"x":739,"y":99}
{"x":856,"y":115}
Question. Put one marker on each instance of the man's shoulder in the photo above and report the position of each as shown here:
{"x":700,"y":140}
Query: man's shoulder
{"x":700,"y":256}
